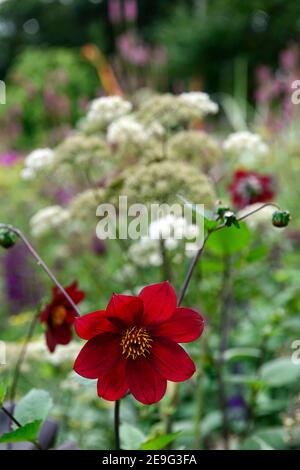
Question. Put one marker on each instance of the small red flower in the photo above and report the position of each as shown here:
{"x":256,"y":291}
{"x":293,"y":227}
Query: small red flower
{"x":59,"y":316}
{"x":249,"y":187}
{"x":133,"y":344}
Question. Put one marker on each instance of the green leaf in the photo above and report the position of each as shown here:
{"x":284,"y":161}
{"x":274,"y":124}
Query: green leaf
{"x":279,"y":372}
{"x":234,"y":354}
{"x":3,"y":390}
{"x":28,"y":432}
{"x":211,"y":422}
{"x":33,"y":406}
{"x":265,"y":439}
{"x":263,"y":445}
{"x":229,"y":240}
{"x":159,"y":442}
{"x":131,"y":437}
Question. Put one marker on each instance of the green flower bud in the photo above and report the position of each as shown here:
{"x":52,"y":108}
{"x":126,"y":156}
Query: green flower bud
{"x":221,"y":210}
{"x":281,"y":218}
{"x":230,"y":219}
{"x":7,"y":238}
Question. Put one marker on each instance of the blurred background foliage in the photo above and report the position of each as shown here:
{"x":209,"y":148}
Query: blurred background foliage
{"x":57,"y":55}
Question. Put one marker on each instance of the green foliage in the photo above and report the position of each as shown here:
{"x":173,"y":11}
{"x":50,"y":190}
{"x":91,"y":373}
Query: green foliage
{"x":230,"y":240}
{"x":45,"y":89}
{"x":28,"y":433}
{"x":131,"y":437}
{"x":159,"y":442}
{"x":3,"y":389}
{"x":210,"y":40}
{"x":33,"y":406}
{"x":280,"y":372}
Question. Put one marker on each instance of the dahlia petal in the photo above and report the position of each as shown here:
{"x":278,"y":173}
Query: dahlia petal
{"x":92,"y":324}
{"x":62,"y":333}
{"x":125,"y":310}
{"x":171,"y":360}
{"x":76,"y":295}
{"x":98,"y":355}
{"x":44,"y":315}
{"x":50,"y":340}
{"x":184,"y":326}
{"x":159,"y":302}
{"x":145,"y":383}
{"x":112,"y":384}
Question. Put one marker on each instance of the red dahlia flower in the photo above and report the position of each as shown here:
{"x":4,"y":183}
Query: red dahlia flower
{"x":133,"y":344}
{"x":249,"y":187}
{"x":59,"y":316}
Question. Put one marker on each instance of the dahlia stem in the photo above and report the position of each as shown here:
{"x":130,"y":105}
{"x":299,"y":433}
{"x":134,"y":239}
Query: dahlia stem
{"x":41,"y":263}
{"x":117,"y":424}
{"x":16,"y":422}
{"x":191,"y":270}
{"x":201,"y":248}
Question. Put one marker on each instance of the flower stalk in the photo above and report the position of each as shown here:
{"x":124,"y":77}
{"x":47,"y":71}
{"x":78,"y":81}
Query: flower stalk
{"x":41,"y":263}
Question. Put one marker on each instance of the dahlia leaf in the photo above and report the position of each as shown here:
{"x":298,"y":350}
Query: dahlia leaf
{"x":33,"y":406}
{"x":25,"y":433}
{"x":229,"y":240}
{"x":160,"y":442}
{"x":131,"y":437}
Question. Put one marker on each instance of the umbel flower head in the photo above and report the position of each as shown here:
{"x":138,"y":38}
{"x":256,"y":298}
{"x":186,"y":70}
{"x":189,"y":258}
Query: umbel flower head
{"x":249,"y":187}
{"x":59,"y":316}
{"x":133,"y":344}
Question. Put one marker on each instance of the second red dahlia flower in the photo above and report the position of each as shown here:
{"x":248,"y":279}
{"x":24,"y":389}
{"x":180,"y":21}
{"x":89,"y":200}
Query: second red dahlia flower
{"x":249,"y":187}
{"x":133,"y":344}
{"x":59,"y":316}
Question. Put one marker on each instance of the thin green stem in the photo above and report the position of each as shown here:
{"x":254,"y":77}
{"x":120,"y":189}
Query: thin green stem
{"x":41,"y":263}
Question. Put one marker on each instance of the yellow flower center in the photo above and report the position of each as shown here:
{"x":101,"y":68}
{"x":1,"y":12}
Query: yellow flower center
{"x":136,"y":342}
{"x":58,"y":315}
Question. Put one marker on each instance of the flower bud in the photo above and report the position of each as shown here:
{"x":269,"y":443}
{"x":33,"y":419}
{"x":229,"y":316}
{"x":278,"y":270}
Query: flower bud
{"x":221,"y":210}
{"x":7,"y":238}
{"x":281,"y":218}
{"x":230,"y":219}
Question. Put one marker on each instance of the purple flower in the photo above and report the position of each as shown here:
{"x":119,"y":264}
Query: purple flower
{"x":115,"y":11}
{"x":131,"y":10}
{"x":22,"y":288}
{"x":9,"y":158}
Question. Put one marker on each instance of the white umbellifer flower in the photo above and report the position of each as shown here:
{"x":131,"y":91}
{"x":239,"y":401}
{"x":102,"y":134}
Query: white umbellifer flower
{"x":48,"y":218}
{"x":36,"y":161}
{"x":145,"y":252}
{"x":246,"y":145}
{"x":126,"y":130}
{"x":27,"y":174}
{"x":173,"y":231}
{"x":156,"y":130}
{"x":162,"y":228}
{"x":200,"y":101}
{"x":39,"y":158}
{"x":105,"y":110}
{"x":171,"y":244}
{"x":191,"y":249}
